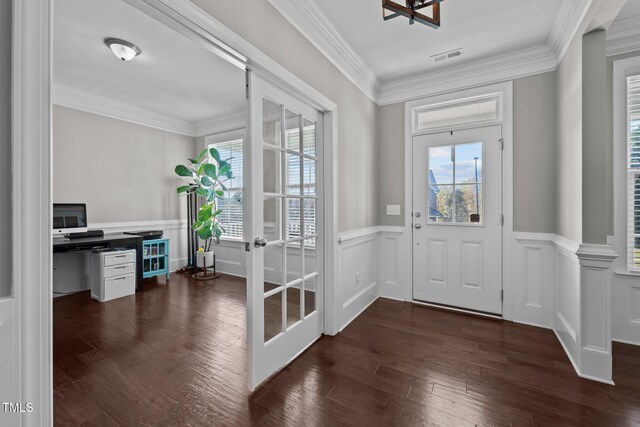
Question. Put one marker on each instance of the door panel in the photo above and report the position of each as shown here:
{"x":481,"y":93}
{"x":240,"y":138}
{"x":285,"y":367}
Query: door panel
{"x":283,"y":214}
{"x":457,"y":231}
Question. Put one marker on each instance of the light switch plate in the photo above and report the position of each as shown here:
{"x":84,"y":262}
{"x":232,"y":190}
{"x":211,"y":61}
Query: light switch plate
{"x":393,"y":209}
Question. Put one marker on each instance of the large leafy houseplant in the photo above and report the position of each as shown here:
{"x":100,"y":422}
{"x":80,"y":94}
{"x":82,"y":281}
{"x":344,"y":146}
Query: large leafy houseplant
{"x":207,"y":177}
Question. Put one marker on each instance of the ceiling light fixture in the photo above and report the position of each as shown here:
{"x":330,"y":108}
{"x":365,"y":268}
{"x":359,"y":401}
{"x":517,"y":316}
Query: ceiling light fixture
{"x":391,"y":9}
{"x":122,"y":49}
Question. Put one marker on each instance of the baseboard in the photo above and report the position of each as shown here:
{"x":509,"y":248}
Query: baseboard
{"x":354,"y":316}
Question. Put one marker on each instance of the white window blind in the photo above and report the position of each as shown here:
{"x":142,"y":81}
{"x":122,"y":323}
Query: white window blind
{"x":232,"y":203}
{"x":633,"y":171}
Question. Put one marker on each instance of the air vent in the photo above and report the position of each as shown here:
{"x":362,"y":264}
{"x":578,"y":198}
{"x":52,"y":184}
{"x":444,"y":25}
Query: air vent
{"x":447,"y":55}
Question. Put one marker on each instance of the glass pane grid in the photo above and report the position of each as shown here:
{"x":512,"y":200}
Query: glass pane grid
{"x":455,"y":184}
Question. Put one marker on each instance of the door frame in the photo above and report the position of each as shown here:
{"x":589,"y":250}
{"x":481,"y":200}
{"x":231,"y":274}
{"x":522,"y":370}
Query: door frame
{"x":505,"y":119}
{"x":32,"y":184}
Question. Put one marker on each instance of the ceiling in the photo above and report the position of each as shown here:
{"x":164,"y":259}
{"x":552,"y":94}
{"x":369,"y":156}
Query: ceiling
{"x":174,"y":79}
{"x":394,"y":49}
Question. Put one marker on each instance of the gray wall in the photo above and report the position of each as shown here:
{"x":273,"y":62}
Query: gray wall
{"x":262,"y":25}
{"x":534,"y":152}
{"x":594,"y":131}
{"x":569,"y":143}
{"x":122,"y":171}
{"x":5,"y":147}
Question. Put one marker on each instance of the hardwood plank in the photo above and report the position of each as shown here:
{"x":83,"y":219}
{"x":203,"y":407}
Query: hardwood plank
{"x":176,"y":355}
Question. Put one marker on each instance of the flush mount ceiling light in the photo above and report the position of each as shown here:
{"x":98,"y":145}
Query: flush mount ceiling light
{"x":391,"y":9}
{"x":122,"y":49}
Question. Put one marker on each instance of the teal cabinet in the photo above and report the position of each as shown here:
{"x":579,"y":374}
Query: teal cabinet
{"x":155,"y":258}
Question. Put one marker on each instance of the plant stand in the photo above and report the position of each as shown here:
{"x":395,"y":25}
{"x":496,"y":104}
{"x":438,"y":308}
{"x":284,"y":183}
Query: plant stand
{"x":203,"y":273}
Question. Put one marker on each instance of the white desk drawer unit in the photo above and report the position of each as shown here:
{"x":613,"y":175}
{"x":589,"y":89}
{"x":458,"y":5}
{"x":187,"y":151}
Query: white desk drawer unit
{"x":113,"y":274}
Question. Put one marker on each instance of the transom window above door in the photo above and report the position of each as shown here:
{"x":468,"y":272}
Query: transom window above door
{"x":455,"y":184}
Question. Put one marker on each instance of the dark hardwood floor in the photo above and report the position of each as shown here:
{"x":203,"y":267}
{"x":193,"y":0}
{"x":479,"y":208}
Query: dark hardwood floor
{"x":175,"y":355}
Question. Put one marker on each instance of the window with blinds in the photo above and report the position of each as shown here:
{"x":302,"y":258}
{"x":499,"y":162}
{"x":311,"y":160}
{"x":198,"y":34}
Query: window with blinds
{"x":633,"y":170}
{"x":231,"y":204}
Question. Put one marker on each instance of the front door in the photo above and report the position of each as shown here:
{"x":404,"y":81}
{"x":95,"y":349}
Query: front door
{"x":284,"y":203}
{"x":457,"y":219}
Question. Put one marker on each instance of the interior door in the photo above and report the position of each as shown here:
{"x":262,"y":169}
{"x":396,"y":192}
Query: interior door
{"x":284,"y":202}
{"x":457,"y":219}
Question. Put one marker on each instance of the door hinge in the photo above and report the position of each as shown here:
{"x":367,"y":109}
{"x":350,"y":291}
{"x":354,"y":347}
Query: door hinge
{"x":501,"y":141}
{"x":246,"y":83}
{"x":502,"y":295}
{"x":247,"y":246}
{"x":501,"y":219}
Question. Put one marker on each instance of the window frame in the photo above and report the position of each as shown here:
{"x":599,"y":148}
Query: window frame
{"x":622,"y":69}
{"x":221,"y":138}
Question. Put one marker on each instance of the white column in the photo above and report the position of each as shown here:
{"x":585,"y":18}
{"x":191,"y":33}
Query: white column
{"x":596,"y":272}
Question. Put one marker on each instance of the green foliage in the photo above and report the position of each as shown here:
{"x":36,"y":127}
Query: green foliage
{"x":206,"y":176}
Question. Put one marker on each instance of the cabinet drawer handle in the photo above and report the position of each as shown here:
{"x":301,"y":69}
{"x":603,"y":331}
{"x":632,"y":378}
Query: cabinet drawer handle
{"x":121,"y":268}
{"x":120,"y":278}
{"x":120,"y":256}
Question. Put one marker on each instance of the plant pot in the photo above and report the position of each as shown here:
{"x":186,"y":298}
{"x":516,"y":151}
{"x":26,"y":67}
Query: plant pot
{"x":204,"y":259}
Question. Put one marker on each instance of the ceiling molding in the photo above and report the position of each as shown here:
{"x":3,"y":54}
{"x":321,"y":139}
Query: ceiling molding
{"x":623,"y":36}
{"x":311,"y":21}
{"x":231,"y":121}
{"x":566,"y":25}
{"x":85,"y":101}
{"x":521,"y":63}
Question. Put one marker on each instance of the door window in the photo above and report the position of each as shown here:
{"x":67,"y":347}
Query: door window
{"x":454,"y":190}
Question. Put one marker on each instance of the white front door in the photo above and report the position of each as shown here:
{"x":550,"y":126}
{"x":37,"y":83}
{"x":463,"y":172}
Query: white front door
{"x":457,"y":219}
{"x":284,"y":203}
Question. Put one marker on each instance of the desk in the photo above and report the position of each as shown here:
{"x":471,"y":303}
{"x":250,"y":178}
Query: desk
{"x":128,"y":241}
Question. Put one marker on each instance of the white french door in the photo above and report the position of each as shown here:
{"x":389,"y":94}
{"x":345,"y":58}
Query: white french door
{"x":457,"y":219}
{"x":284,"y":202}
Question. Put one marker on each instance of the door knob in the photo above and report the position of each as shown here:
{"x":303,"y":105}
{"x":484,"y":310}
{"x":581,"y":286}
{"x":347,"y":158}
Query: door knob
{"x":260,"y":242}
{"x":418,"y":226}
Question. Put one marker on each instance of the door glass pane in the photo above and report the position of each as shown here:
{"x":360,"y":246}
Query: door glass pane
{"x":271,"y":160}
{"x":309,"y":177}
{"x":272,"y":122}
{"x":310,"y":295}
{"x":273,"y":265}
{"x":310,"y":258}
{"x":272,"y":218}
{"x":293,"y":212}
{"x":309,"y":137}
{"x":309,"y":217}
{"x":294,"y":261}
{"x":273,"y":315}
{"x":294,"y":294}
{"x":441,"y":165}
{"x":292,"y":131}
{"x":440,"y":203}
{"x":468,"y":162}
{"x":294,"y":177}
{"x":469,"y":203}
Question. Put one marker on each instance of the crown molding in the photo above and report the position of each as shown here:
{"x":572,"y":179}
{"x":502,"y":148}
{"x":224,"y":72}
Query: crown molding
{"x":231,"y":121}
{"x":521,"y":63}
{"x":311,"y":21}
{"x":568,"y":20}
{"x":623,"y":36}
{"x":80,"y":100}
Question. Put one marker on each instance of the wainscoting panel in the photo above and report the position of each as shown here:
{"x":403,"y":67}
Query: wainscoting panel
{"x":625,"y":307}
{"x":8,"y":359}
{"x":358,"y":272}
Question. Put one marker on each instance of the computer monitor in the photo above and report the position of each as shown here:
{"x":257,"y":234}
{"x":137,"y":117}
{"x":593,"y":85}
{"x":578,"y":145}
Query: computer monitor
{"x":69,"y":218}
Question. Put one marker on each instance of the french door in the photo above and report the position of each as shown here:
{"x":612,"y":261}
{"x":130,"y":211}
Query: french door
{"x":284,"y":203}
{"x":457,"y":219}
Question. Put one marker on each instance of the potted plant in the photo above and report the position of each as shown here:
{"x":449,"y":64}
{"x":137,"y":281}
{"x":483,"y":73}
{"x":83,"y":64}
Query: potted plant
{"x":206,"y":177}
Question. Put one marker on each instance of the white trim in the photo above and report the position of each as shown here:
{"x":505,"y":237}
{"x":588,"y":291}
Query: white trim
{"x":31,"y":213}
{"x":623,"y":36}
{"x":307,"y":17}
{"x":506,"y":121}
{"x":313,"y":23}
{"x":85,"y":101}
{"x":566,"y":25}
{"x":496,"y":69}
